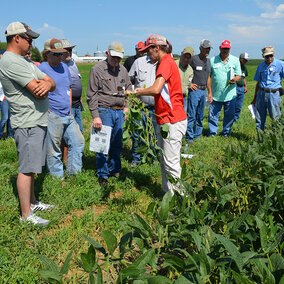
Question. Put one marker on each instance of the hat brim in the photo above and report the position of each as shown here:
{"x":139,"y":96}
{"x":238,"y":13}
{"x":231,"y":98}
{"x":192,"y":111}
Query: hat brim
{"x":71,"y":46}
{"x":225,"y":46}
{"x":268,"y":53}
{"x":58,"y":50}
{"x":116,"y":53}
{"x":32,"y":34}
{"x":146,"y":47}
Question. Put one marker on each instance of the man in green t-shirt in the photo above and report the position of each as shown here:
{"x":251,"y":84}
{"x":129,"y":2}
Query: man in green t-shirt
{"x":225,"y":73}
{"x":241,"y":85}
{"x":26,"y":89}
{"x":186,"y":72}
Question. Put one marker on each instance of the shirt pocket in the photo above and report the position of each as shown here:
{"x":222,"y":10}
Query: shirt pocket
{"x":106,"y":84}
{"x":142,"y":75}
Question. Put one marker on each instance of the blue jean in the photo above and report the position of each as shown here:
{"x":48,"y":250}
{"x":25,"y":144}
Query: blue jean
{"x":239,"y":101}
{"x":76,"y":111}
{"x":185,"y":101}
{"x":264,"y":102}
{"x":111,"y":164}
{"x":63,"y":127}
{"x":5,"y":118}
{"x":136,"y":142}
{"x":195,"y":114}
{"x":228,"y":120}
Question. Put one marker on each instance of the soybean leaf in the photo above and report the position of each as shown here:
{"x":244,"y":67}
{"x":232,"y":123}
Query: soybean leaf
{"x":49,"y":274}
{"x":110,"y":241}
{"x":143,"y":223}
{"x":164,"y":211}
{"x":144,"y":259}
{"x":65,"y":266}
{"x":262,"y":231}
{"x":240,"y":278}
{"x":174,"y":261}
{"x":99,"y":276}
{"x":95,"y":244}
{"x":159,"y":280}
{"x":164,"y":130}
{"x":50,"y":264}
{"x":232,"y":250}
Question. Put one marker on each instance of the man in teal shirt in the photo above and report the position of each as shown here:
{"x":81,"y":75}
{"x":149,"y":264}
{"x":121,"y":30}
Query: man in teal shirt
{"x":225,"y":72}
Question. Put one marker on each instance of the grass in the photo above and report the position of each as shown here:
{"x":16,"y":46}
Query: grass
{"x":82,"y":207}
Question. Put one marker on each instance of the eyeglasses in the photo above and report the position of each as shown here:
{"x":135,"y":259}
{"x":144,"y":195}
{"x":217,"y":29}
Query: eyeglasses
{"x":28,"y":39}
{"x":268,"y":56}
{"x":56,"y":54}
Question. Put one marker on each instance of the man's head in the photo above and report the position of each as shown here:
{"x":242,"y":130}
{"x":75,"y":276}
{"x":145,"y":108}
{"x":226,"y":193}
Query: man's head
{"x":67,"y":56}
{"x":19,"y":37}
{"x":138,"y":47}
{"x":225,"y":48}
{"x":268,"y":54}
{"x":114,"y":54}
{"x":155,"y":44}
{"x":53,"y":50}
{"x":185,"y":56}
{"x":244,"y":58}
{"x":205,"y":47}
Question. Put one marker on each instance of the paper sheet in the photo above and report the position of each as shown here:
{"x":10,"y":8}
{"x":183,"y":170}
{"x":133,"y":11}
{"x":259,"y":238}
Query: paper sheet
{"x":100,"y":140}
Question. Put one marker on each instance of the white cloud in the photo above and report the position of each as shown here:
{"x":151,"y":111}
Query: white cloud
{"x":50,"y":31}
{"x":250,"y":32}
{"x":277,"y":14}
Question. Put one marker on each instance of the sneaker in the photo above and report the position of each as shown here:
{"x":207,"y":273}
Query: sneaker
{"x":39,"y":206}
{"x":35,"y":220}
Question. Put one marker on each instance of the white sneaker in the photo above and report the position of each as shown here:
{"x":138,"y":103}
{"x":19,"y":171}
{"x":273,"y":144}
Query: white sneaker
{"x":33,"y":219}
{"x":39,"y":206}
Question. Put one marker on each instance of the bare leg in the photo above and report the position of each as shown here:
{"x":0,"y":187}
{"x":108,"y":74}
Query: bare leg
{"x":33,"y":198}
{"x":24,"y":186}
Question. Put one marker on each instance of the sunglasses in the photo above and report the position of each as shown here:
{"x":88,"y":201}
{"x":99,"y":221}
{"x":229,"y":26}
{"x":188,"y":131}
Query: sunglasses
{"x":28,"y":39}
{"x":268,"y":56}
{"x":56,"y":54}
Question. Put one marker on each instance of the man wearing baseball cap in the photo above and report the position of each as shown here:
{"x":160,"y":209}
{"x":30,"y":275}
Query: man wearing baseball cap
{"x":130,"y":60}
{"x":267,"y":90}
{"x":241,"y":85}
{"x":186,"y":72}
{"x":105,"y":97}
{"x":76,"y":87}
{"x":26,"y":89}
{"x":225,"y":72}
{"x":201,"y":84}
{"x":61,"y":123}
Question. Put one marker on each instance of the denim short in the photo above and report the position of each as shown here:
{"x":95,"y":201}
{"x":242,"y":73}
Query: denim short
{"x":31,"y":149}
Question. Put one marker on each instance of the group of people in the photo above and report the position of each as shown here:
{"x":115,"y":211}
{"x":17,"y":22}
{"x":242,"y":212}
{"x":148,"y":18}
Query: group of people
{"x":45,"y":103}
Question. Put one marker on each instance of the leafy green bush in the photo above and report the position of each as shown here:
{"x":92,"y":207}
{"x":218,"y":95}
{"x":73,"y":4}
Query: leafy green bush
{"x":227,"y":230}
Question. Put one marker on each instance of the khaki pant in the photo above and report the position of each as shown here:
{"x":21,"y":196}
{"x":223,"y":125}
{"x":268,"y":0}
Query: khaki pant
{"x":170,"y":159}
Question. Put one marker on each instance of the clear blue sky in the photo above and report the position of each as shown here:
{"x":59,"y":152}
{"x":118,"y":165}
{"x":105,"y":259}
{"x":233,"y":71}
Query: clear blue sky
{"x":248,"y":24}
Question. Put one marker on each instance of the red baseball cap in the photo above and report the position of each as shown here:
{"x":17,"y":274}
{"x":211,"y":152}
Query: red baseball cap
{"x":226,"y":44}
{"x":154,"y":39}
{"x":140,"y":45}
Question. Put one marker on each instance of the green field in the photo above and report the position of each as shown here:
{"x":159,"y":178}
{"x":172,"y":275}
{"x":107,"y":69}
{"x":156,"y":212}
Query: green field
{"x":82,"y":207}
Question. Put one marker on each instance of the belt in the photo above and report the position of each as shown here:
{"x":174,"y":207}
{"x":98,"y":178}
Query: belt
{"x":269,"y":90}
{"x":113,"y":107}
{"x":202,"y":87}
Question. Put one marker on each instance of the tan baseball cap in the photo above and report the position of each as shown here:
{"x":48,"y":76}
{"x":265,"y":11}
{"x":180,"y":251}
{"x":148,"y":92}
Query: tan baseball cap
{"x":267,"y":50}
{"x":54,"y":45}
{"x":188,"y":50}
{"x":116,"y":49}
{"x":16,"y":28}
{"x":66,"y":43}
